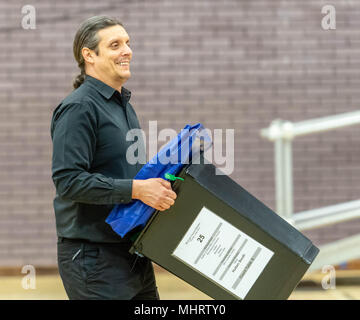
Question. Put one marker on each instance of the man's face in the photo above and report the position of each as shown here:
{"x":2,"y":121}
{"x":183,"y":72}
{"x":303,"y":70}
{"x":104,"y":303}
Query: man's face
{"x":114,"y":54}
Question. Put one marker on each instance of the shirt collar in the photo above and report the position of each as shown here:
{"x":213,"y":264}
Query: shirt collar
{"x":107,"y":91}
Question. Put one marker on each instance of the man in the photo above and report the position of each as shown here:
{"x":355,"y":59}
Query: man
{"x":91,"y":174}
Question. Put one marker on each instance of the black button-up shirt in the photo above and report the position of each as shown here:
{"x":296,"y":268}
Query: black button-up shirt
{"x":89,"y":166}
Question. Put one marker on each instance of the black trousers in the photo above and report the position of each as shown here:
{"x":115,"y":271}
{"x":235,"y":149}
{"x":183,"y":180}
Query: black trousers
{"x":104,"y":271}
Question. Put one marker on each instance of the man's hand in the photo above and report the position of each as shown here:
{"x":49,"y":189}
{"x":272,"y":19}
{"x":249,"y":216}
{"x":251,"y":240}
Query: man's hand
{"x":154,"y":192}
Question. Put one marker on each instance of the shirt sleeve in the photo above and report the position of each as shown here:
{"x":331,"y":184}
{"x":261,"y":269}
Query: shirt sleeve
{"x":74,"y":145}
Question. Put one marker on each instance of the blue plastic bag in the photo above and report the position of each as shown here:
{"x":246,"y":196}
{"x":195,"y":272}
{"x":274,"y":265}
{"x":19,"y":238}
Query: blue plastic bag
{"x":170,"y":159}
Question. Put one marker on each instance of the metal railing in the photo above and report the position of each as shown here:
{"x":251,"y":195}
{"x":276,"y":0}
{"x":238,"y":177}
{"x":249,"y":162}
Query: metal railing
{"x":282,"y":133}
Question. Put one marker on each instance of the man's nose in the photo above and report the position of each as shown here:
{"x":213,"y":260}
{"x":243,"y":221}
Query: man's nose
{"x":127,"y":51}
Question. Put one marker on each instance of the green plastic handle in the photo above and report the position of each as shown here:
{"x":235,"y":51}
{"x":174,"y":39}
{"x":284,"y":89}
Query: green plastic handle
{"x":171,"y":177}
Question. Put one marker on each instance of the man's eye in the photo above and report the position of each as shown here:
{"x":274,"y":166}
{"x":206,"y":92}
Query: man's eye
{"x":114,"y":45}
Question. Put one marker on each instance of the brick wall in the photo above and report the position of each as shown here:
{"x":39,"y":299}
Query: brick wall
{"x":227,"y":64}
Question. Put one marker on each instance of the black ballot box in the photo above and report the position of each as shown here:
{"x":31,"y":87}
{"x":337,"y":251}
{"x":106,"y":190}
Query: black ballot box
{"x":223,"y":241}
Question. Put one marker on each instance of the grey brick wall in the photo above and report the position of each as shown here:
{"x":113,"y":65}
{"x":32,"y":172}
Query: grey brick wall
{"x":227,"y":64}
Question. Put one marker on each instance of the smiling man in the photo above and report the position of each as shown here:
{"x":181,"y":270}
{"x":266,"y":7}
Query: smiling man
{"x":91,"y":173}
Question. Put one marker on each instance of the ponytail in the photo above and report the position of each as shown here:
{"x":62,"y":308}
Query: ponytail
{"x":80,"y":78}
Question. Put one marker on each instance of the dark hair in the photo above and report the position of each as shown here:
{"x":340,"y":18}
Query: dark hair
{"x":87,"y":37}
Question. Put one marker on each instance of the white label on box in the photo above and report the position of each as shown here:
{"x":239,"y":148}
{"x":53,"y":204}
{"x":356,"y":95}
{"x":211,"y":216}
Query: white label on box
{"x":223,"y":253}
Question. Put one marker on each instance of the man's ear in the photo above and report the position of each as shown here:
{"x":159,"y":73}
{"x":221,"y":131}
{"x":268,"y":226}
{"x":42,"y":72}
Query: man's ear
{"x":88,"y":55}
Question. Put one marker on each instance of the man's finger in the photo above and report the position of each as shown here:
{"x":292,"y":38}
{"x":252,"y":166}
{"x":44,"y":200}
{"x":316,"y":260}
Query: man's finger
{"x":165,"y":183}
{"x":171,"y":194}
{"x":168,"y":201}
{"x":162,"y":207}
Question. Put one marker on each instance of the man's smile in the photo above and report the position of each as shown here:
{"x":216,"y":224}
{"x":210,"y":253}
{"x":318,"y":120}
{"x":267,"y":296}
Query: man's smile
{"x":125,"y":63}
